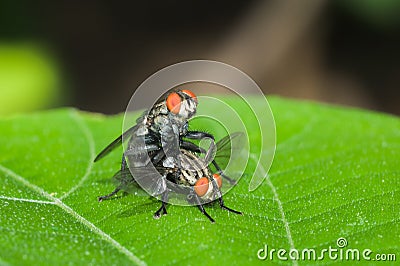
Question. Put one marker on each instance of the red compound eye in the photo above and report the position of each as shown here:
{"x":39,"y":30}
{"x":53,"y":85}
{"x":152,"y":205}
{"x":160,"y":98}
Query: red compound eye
{"x":218,"y":178}
{"x":190,"y":94}
{"x":201,"y":186}
{"x":174,"y":103}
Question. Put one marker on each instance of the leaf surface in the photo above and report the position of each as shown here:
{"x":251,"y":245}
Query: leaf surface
{"x":335,"y":174}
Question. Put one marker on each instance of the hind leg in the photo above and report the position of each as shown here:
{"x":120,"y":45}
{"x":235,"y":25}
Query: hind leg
{"x":162,"y":210}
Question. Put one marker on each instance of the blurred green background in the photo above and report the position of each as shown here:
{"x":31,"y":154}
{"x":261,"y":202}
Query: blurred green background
{"x":29,"y":78}
{"x":93,"y":55}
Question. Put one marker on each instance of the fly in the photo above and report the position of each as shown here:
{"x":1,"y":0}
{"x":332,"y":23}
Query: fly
{"x":162,"y":126}
{"x":195,"y":179}
{"x":161,"y":132}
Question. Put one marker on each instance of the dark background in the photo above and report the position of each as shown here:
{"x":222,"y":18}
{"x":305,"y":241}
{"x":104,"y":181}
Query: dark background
{"x":344,"y":52}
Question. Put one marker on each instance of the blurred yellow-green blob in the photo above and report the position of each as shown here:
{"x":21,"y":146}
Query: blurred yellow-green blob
{"x":29,"y":79}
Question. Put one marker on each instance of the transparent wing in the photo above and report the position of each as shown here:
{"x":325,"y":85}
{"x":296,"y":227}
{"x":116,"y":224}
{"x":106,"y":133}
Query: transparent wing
{"x":124,"y":180}
{"x":228,"y":161}
{"x":140,"y":181}
{"x":155,"y":184}
{"x":228,"y":148}
{"x":115,"y":143}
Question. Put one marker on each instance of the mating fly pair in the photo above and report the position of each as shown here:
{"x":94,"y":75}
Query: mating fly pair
{"x":160,"y":159}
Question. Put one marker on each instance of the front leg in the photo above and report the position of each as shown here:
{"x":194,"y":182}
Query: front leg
{"x":198,"y":135}
{"x":197,"y":201}
{"x":219,"y":196}
{"x":194,"y":148}
{"x":187,"y":145}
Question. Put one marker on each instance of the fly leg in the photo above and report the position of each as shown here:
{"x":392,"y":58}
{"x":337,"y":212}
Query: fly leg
{"x":105,"y":197}
{"x":221,"y":173}
{"x":222,"y":205}
{"x":198,"y":135}
{"x":194,"y":196}
{"x":194,"y":148}
{"x":157,"y":157}
{"x":221,"y":201}
{"x":162,"y":210}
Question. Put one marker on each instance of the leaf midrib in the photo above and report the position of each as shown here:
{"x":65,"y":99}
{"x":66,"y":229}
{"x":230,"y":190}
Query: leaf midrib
{"x":59,"y":201}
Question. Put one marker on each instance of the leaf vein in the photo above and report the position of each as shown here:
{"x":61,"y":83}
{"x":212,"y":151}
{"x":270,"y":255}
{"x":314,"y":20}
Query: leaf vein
{"x":70,"y":211}
{"x":27,"y":200}
{"x":280,"y":207}
{"x":90,"y":141}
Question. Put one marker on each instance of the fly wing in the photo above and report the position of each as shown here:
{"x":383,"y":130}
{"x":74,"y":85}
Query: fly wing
{"x":124,"y":180}
{"x":229,"y":147}
{"x":115,"y":143}
{"x":140,"y":181}
{"x":228,"y":161}
{"x":155,"y":184}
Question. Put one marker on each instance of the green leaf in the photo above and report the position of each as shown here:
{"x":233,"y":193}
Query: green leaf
{"x":335,"y":174}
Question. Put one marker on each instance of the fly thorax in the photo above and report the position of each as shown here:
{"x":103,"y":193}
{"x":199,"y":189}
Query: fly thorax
{"x":176,"y":129}
{"x":158,"y":109}
{"x":170,"y":162}
{"x":142,"y":130}
{"x":155,"y":117}
{"x":184,"y":129}
{"x":160,"y":121}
